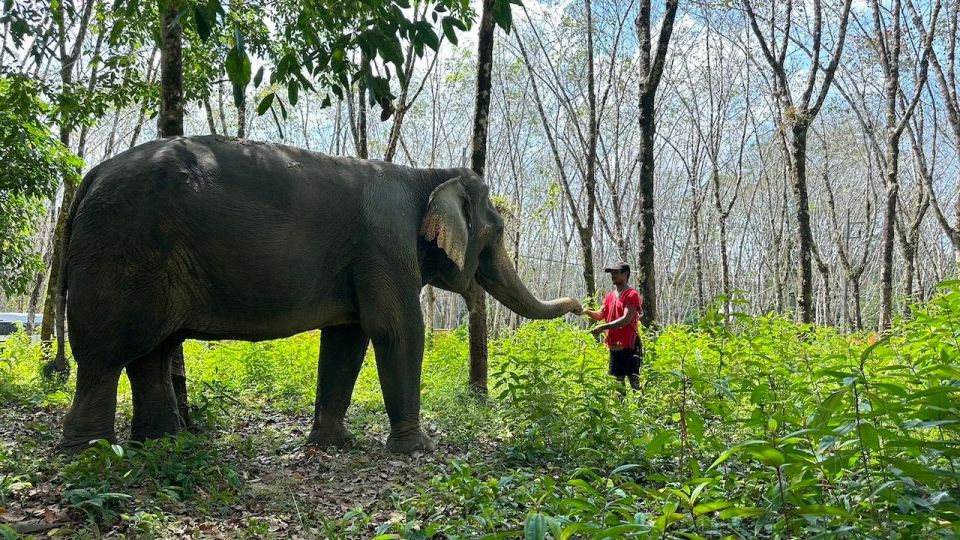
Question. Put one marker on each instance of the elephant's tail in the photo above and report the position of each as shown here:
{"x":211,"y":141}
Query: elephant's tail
{"x":60,"y":317}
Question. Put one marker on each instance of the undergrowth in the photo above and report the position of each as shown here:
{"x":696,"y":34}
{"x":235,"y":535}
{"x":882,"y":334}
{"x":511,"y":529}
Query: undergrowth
{"x":747,"y":427}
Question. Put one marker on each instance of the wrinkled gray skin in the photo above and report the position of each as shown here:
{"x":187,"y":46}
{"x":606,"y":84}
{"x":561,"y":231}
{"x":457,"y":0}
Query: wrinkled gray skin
{"x":219,"y":238}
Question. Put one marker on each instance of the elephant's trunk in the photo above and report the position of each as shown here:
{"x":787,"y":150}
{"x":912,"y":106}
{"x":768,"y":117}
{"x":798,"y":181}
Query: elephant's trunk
{"x":498,"y":277}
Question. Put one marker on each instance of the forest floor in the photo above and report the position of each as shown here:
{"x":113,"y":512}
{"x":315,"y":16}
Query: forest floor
{"x":290,"y":490}
{"x":756,"y":428}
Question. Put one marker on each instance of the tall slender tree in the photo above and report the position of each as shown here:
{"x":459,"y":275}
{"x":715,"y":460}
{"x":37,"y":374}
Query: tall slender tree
{"x":651,"y":62}
{"x":948,"y":87}
{"x":796,"y":114}
{"x":888,"y":37}
{"x":477,"y":299}
{"x":69,"y":55}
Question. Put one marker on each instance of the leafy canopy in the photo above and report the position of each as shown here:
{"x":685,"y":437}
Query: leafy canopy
{"x":34,"y":162}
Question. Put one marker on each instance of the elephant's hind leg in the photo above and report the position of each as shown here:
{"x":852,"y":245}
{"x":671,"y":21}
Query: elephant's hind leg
{"x":155,"y":411}
{"x":341,"y":356}
{"x":93,"y":412}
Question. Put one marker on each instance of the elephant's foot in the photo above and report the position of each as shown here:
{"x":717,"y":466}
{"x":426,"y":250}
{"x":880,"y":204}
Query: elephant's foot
{"x":341,"y":438}
{"x":409,"y":442}
{"x":56,"y":370}
{"x":156,"y":428}
{"x":74,"y":445}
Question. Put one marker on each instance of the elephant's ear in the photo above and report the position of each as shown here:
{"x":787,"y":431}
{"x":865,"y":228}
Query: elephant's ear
{"x":446,"y":220}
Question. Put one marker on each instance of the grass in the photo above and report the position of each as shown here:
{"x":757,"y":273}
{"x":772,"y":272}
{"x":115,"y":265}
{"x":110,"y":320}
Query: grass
{"x":757,"y":428}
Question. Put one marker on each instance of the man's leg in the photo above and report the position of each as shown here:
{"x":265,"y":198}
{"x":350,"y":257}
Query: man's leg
{"x":635,"y":381}
{"x":621,"y":387}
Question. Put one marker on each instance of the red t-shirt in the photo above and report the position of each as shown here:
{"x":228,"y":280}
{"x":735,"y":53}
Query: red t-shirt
{"x":614,"y":306}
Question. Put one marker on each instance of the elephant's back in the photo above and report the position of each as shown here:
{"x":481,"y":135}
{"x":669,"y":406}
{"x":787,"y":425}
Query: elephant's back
{"x":210,"y":216}
{"x":216,"y":170}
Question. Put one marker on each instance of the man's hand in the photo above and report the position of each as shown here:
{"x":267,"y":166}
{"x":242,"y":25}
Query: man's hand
{"x":597,"y":330}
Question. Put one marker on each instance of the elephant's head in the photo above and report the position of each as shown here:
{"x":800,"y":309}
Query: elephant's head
{"x":464,"y":235}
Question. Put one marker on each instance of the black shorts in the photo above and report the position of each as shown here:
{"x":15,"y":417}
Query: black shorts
{"x":624,"y":362}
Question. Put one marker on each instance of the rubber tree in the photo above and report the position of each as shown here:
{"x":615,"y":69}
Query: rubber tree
{"x":795,"y":114}
{"x":888,"y":37}
{"x":651,"y":63}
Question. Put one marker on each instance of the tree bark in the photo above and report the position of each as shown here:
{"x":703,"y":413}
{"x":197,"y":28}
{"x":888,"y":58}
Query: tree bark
{"x":798,"y":156}
{"x":170,"y":119}
{"x":208,"y":111}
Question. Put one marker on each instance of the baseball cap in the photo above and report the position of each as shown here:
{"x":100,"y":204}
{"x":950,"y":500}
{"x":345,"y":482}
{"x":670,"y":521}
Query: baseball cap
{"x":618,"y":266}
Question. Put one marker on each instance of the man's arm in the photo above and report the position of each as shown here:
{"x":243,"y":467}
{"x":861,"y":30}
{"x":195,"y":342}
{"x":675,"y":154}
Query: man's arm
{"x":595,"y":315}
{"x":618,"y":323}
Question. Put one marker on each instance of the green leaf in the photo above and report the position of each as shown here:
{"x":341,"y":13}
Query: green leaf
{"x":449,"y":25}
{"x":743,"y":511}
{"x":617,"y":531}
{"x":623,"y":468}
{"x":502,"y":14}
{"x":580,"y":504}
{"x":535,"y":527}
{"x":571,"y":530}
{"x":658,"y":442}
{"x":869,"y":436}
{"x":258,"y":78}
{"x":767,"y":454}
{"x":265,"y":103}
{"x":695,"y":424}
{"x":387,"y":45}
{"x":830,"y":405}
{"x":724,"y":456}
{"x":709,"y":507}
{"x":205,"y":20}
{"x":823,"y":510}
{"x":293,"y":92}
{"x":238,"y":68}
{"x":426,"y":35}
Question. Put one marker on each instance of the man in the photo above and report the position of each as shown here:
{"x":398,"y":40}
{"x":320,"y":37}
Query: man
{"x":620,"y":311}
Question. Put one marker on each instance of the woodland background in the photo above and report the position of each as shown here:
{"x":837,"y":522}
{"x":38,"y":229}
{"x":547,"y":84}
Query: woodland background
{"x":723,"y":194}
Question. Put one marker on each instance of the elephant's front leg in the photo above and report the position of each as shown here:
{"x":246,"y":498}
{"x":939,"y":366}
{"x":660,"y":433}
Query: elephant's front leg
{"x":397,"y":334}
{"x":399,"y":361}
{"x":341,"y":356}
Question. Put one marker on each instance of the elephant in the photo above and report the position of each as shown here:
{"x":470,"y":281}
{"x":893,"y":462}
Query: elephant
{"x":211,"y":237}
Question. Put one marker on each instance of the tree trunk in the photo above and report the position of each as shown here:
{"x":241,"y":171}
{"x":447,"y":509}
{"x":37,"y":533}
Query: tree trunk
{"x":242,"y":121}
{"x":910,"y":260}
{"x":697,"y":253}
{"x":68,"y":60}
{"x":431,"y":299}
{"x":360,"y":125}
{"x":477,"y":302}
{"x":857,"y":312}
{"x":651,"y":70}
{"x":798,"y":156}
{"x":170,"y":124}
{"x":586,"y":234}
{"x":887,"y":238}
{"x":208,"y":111}
{"x":49,"y":223}
{"x":478,"y":162}
{"x":170,"y":119}
{"x":646,"y":274}
{"x":724,"y":259}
